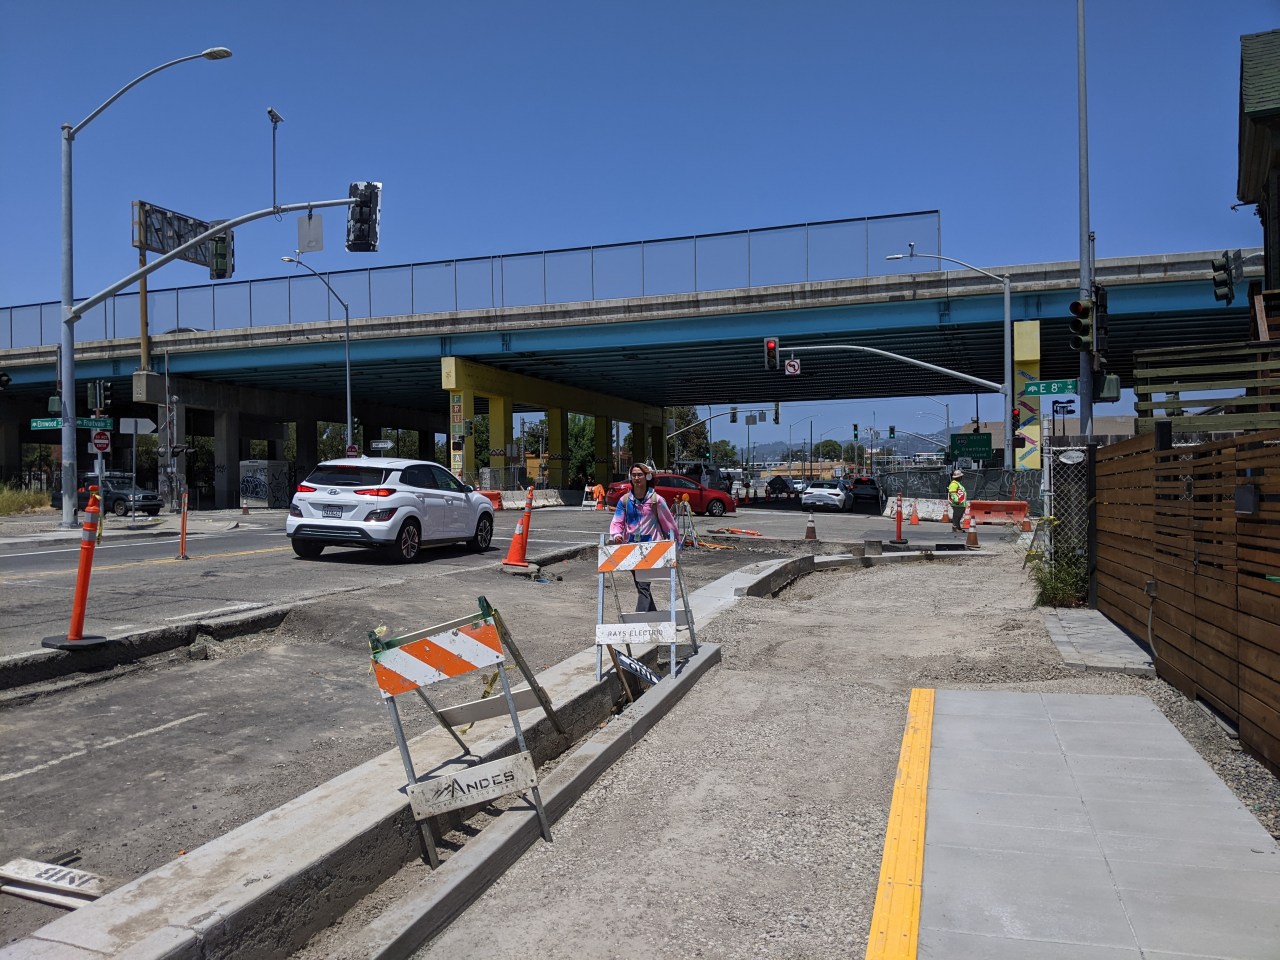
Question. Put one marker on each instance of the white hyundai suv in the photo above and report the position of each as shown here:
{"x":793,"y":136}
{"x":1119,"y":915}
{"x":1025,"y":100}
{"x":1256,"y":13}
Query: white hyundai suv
{"x":387,"y":503}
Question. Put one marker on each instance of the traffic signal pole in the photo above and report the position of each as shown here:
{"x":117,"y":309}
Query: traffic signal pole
{"x":1086,"y":235}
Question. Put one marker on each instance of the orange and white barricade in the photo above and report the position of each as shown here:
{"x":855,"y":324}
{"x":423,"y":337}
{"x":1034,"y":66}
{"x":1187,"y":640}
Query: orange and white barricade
{"x":409,"y":663}
{"x":655,"y":562}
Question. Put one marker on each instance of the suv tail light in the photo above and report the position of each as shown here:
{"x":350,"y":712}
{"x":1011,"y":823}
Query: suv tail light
{"x":376,"y":491}
{"x":303,"y":488}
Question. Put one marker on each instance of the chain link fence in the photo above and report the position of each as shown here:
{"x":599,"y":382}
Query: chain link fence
{"x":992,"y":483}
{"x":1067,"y":501}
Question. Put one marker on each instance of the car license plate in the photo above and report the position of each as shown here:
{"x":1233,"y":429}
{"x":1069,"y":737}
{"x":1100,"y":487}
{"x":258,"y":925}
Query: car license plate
{"x":333,"y":513}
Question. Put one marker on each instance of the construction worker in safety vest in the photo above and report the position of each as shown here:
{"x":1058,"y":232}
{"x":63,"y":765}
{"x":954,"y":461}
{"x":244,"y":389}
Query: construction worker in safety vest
{"x":956,"y":496}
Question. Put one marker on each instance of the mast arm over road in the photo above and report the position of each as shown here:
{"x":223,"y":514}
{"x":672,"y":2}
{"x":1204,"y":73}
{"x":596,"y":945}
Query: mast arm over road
{"x":978,"y":381}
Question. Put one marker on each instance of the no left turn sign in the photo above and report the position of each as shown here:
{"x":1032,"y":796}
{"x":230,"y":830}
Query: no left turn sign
{"x":792,"y":367}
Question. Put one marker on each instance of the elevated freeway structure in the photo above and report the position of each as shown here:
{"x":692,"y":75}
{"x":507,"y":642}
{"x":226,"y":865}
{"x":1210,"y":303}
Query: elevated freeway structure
{"x":621,"y":359}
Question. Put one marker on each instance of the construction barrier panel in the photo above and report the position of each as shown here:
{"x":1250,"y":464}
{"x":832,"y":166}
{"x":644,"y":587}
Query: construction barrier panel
{"x":493,"y":496}
{"x":938,"y":510}
{"x":998,"y":511}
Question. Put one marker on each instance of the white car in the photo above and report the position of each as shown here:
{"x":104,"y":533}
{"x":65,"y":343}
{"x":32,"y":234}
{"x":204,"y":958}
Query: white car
{"x":387,"y":503}
{"x":825,"y":493}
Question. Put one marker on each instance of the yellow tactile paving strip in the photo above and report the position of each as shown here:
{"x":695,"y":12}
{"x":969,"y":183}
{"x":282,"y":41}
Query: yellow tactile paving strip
{"x":895,"y":922}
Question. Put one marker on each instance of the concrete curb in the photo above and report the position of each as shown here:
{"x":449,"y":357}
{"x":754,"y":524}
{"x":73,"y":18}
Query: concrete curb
{"x":401,"y":930}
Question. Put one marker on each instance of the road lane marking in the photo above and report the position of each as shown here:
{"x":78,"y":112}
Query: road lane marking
{"x":218,"y":611}
{"x":103,"y":744}
{"x":895,"y":921}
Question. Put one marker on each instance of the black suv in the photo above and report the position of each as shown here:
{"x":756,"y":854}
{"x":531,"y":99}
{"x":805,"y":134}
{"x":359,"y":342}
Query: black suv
{"x":118,"y":495}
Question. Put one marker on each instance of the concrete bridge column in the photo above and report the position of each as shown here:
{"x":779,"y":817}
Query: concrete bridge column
{"x":364,"y":437}
{"x":499,"y":438}
{"x":10,"y":451}
{"x":637,"y":444}
{"x":557,"y":447}
{"x":658,"y":446}
{"x":306,"y":448}
{"x":601,"y":464}
{"x":228,"y":450}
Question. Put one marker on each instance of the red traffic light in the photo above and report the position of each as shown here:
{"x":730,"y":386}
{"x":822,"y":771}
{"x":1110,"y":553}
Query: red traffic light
{"x":1081,"y":309}
{"x":771,"y":353}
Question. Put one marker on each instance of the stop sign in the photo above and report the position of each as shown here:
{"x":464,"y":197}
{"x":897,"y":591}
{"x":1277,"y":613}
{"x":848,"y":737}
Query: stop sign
{"x":353,"y":450}
{"x":101,"y":441}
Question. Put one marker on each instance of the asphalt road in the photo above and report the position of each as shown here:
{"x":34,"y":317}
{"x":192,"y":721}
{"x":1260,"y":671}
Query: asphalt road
{"x":161,"y":756}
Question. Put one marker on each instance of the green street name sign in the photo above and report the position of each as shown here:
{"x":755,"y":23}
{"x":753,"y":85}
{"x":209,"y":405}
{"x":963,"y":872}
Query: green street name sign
{"x":975,"y":446}
{"x":84,"y":423}
{"x":1045,"y":388}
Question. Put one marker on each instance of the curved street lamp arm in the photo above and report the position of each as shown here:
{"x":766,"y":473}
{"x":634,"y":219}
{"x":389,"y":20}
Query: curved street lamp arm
{"x":72,"y":131}
{"x":312,"y":270}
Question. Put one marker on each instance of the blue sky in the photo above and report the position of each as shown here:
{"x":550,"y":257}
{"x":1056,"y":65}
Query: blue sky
{"x":505,"y":127}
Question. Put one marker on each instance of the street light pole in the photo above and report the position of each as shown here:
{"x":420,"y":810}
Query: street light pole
{"x":346,"y":332}
{"x":1008,"y":390}
{"x":67,"y":368}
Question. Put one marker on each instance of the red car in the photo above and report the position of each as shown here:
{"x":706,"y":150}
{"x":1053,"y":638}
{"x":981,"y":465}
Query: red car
{"x":672,"y":487}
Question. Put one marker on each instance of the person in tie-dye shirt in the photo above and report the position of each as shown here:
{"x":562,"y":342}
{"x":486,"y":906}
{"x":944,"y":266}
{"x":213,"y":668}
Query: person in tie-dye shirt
{"x":642,"y":516}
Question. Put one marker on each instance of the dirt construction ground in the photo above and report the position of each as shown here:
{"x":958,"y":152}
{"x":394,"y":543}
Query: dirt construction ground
{"x":750,"y":821}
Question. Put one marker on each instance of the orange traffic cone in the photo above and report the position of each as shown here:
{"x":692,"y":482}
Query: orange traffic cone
{"x":966,"y":523}
{"x":810,"y":531}
{"x":971,"y":541}
{"x":520,"y":539}
{"x":915,"y":515}
{"x":599,"y":497}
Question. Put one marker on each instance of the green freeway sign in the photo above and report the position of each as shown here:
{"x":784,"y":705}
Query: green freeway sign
{"x":975,"y":446}
{"x":84,"y":423}
{"x":1045,"y":388}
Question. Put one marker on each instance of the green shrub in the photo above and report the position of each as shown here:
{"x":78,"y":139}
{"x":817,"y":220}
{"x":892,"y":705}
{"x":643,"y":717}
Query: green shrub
{"x":1060,"y":583}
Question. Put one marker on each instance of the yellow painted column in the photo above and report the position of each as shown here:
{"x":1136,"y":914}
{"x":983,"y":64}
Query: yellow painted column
{"x":462,"y":406}
{"x":1026,"y":367}
{"x":603,"y":465}
{"x":557,"y":447}
{"x":499,"y":438}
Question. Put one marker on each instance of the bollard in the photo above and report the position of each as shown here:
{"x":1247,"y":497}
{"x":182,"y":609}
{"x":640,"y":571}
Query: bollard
{"x":520,"y":540}
{"x":75,"y":638}
{"x":898,"y":539}
{"x":182,"y":537}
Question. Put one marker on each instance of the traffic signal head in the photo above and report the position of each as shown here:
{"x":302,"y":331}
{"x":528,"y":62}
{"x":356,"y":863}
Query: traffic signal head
{"x":733,"y":414}
{"x":1223,"y":283}
{"x":771,"y":353}
{"x":855,"y":431}
{"x":1016,"y":419}
{"x":222,"y":256}
{"x":893,"y":431}
{"x":363,"y":216}
{"x":469,"y":427}
{"x":105,"y":393}
{"x":777,"y":413}
{"x":1082,"y":325}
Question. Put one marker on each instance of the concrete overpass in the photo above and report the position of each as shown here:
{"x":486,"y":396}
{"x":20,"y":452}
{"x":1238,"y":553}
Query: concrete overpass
{"x":623,"y":359}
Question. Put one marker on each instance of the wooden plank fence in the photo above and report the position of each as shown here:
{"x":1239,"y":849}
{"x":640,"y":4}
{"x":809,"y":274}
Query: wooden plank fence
{"x":1188,"y":556}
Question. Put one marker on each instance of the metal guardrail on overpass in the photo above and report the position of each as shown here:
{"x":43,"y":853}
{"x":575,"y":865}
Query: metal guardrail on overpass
{"x":796,"y":253}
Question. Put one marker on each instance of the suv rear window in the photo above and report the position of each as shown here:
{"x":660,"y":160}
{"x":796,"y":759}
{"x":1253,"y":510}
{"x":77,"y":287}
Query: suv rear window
{"x":334,"y":475}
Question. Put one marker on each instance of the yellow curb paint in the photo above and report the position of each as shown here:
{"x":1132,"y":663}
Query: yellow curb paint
{"x":895,"y":922}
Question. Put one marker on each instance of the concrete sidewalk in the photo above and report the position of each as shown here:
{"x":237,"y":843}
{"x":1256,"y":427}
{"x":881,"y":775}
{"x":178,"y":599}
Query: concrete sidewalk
{"x":1085,"y":827}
